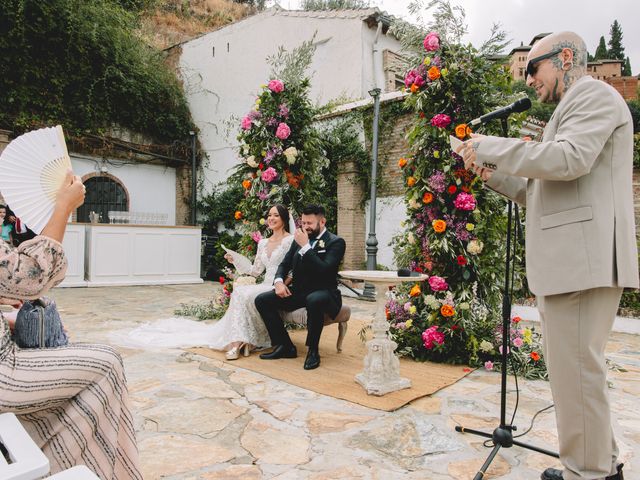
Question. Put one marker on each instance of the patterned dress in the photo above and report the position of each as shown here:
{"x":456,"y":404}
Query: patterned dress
{"x":72,"y":400}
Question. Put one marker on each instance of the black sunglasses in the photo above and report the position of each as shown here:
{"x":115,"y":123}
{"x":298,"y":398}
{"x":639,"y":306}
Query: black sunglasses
{"x":532,"y":65}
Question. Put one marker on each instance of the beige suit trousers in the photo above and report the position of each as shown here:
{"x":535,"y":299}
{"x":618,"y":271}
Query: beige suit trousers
{"x":576,"y":328}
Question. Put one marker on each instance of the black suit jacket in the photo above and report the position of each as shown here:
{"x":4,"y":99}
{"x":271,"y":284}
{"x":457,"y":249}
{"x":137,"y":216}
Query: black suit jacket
{"x":317,"y":269}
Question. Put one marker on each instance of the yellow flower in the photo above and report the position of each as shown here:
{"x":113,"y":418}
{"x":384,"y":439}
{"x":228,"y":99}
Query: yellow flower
{"x":436,"y":154}
{"x":263,"y":153}
{"x":427,"y":61}
{"x":262,"y":221}
{"x":258,"y":102}
{"x":409,"y":323}
{"x":412,"y":310}
{"x":527,"y":336}
{"x":470,"y":226}
{"x":444,"y":72}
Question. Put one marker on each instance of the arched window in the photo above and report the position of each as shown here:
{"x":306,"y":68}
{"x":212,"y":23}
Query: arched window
{"x":104,"y":193}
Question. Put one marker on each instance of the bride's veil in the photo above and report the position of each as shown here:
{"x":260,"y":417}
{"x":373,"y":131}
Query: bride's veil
{"x":292,"y":223}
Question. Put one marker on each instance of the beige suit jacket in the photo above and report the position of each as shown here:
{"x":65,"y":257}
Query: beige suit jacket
{"x":577,"y":187}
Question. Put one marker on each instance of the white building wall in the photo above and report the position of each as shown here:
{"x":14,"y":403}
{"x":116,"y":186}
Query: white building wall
{"x":390,"y":213}
{"x":152,"y":188}
{"x":224,"y":85}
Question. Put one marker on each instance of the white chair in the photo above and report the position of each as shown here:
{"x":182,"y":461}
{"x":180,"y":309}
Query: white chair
{"x":21,"y":458}
{"x":25,"y":460}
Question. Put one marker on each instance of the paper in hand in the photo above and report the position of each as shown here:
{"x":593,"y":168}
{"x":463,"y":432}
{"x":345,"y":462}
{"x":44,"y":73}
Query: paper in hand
{"x":454,"y":142}
{"x":243,"y":264}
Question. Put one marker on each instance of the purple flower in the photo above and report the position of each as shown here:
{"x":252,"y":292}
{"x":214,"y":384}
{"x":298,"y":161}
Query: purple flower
{"x":438,"y":284}
{"x":276,"y":86}
{"x":272,"y":122}
{"x":465,"y":201}
{"x":441,"y":120}
{"x":283,"y":131}
{"x":283,"y":110}
{"x":254,"y":115}
{"x":263,"y":195}
{"x":437,"y":182}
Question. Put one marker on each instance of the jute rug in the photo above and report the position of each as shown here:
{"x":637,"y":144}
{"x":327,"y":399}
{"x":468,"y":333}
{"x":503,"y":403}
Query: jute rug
{"x":335,"y":376}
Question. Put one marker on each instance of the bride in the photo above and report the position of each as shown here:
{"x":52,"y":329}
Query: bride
{"x":241,"y":328}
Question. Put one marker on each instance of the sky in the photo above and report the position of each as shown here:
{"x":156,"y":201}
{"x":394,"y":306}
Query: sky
{"x":522,"y":20}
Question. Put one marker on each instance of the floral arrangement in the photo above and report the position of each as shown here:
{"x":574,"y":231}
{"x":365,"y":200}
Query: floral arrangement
{"x":455,"y":231}
{"x":281,"y":156}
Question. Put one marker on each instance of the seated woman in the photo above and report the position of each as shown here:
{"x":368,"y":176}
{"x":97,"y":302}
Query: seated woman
{"x":72,"y":400}
{"x":242,"y":327}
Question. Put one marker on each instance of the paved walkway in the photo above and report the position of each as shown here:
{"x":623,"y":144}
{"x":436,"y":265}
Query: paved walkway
{"x":199,"y":418}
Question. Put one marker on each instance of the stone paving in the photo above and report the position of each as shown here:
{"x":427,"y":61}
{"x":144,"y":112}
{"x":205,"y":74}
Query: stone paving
{"x":199,"y":418}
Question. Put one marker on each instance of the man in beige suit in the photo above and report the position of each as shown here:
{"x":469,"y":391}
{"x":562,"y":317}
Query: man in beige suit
{"x":580,"y":238}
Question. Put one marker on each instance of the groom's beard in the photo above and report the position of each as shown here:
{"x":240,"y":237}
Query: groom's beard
{"x":313,"y":234}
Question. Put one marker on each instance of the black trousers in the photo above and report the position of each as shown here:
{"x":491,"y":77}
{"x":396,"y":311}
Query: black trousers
{"x":317,"y":304}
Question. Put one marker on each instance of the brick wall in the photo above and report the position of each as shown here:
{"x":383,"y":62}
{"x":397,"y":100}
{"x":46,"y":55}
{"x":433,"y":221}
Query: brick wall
{"x":626,"y":86}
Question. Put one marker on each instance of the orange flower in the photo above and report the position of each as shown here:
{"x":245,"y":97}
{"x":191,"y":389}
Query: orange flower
{"x":535,"y":356}
{"x":447,"y":310}
{"x":427,"y":197}
{"x":237,"y":215}
{"x":434,"y":73}
{"x":414,"y":88}
{"x":415,"y":291}
{"x":402,"y":162}
{"x":246,"y":184}
{"x":461,"y":130}
{"x":439,"y":226}
{"x":411,"y":181}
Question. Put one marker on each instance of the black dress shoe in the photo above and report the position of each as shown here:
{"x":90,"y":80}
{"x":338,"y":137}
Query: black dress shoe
{"x":281,"y":351}
{"x":555,"y":474}
{"x":313,"y":360}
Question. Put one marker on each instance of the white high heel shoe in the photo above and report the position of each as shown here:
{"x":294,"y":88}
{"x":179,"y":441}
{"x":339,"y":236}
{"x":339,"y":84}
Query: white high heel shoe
{"x":235,"y":352}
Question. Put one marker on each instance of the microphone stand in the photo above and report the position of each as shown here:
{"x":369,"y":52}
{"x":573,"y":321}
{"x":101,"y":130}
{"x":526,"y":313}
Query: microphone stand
{"x":502,"y":436}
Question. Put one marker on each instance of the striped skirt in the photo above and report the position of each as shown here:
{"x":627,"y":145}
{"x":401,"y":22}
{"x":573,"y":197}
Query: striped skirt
{"x":74,"y":403}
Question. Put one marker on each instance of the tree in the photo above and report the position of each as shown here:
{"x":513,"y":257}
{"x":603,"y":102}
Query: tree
{"x":626,"y":71}
{"x":616,"y":50}
{"x":601,"y":51}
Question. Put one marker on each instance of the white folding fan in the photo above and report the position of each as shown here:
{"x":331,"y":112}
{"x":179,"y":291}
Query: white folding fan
{"x":32,"y":170}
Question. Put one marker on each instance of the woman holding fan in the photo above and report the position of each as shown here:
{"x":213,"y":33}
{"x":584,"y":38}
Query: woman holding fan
{"x":72,"y":400}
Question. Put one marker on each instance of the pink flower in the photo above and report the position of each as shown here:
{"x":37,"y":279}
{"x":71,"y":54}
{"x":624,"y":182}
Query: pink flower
{"x":256,"y":236}
{"x":431,"y":337}
{"x":465,"y":201}
{"x":438,"y":284}
{"x":269,"y":175}
{"x":283,"y":131}
{"x":431,"y":42}
{"x":518,"y":342}
{"x":413,"y":77}
{"x":488,"y":365}
{"x":246,"y":123}
{"x":407,"y":306}
{"x":276,"y":86}
{"x":441,"y":120}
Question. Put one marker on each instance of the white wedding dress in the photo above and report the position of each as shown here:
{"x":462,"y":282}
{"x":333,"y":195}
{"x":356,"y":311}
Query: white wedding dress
{"x":241,"y":322}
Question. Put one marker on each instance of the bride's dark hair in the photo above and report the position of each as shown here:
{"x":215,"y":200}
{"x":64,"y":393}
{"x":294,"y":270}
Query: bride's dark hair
{"x":284,"y":215}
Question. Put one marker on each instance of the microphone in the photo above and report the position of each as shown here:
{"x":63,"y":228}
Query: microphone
{"x":518,"y":106}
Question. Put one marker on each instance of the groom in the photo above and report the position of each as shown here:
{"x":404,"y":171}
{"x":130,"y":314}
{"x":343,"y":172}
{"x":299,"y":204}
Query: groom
{"x":313,"y":258}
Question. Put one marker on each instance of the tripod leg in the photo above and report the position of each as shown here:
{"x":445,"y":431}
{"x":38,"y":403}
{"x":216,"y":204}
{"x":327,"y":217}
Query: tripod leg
{"x":487,"y":462}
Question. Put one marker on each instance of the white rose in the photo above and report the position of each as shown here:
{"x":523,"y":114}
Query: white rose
{"x":291,"y":153}
{"x":475,"y":247}
{"x":414,"y":204}
{"x":251,"y":161}
{"x":486,"y":346}
{"x":244,"y":280}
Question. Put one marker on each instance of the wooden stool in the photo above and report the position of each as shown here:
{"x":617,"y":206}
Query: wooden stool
{"x":299,"y":317}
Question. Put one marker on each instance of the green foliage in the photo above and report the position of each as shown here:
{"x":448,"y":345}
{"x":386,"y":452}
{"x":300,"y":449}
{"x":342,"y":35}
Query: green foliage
{"x":333,"y":4}
{"x":601,"y":51}
{"x":616,"y":50}
{"x":636,"y":150}
{"x":626,"y":69}
{"x":634,"y":108}
{"x":79,"y":63}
